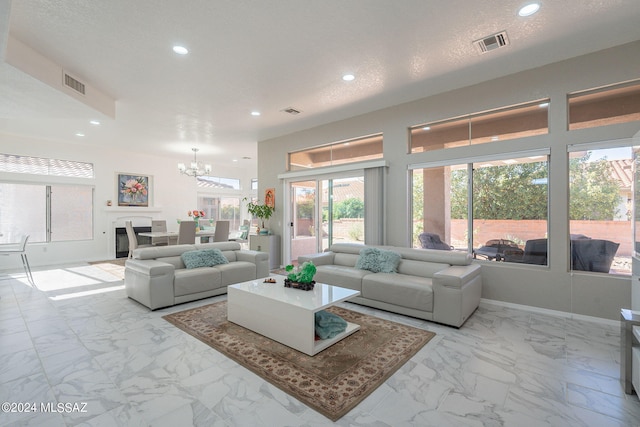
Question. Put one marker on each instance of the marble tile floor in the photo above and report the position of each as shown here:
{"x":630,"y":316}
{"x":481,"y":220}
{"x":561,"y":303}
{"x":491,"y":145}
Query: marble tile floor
{"x":78,"y":341}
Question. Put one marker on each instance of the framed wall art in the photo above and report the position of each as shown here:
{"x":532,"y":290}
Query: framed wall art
{"x":270,"y":197}
{"x":133,"y":189}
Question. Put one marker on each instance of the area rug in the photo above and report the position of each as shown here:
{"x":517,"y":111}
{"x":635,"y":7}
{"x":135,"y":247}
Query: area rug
{"x":333,"y":381}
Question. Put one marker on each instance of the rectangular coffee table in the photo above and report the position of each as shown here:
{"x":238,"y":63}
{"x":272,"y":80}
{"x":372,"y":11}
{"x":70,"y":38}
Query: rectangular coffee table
{"x":284,"y":314}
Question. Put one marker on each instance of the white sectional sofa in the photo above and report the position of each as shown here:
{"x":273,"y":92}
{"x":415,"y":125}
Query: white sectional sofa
{"x":441,"y":286}
{"x":157,"y":276}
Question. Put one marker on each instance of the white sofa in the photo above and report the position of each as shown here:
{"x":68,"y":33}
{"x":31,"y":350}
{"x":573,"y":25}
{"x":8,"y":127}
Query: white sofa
{"x":157,"y":277}
{"x":441,"y":286}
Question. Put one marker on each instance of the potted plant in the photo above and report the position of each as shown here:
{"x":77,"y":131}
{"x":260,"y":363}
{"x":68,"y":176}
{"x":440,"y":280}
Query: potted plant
{"x":261,"y":211}
{"x":302,"y":278}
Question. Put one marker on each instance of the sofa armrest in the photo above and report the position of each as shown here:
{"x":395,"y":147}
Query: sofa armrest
{"x":322,"y":258}
{"x":149,"y":282}
{"x":456,"y":293}
{"x":456,"y":276}
{"x":260,"y":259}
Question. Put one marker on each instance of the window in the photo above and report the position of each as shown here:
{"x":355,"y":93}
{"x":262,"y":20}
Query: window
{"x":27,"y":208}
{"x":254,"y":183}
{"x":351,"y":151}
{"x":600,"y":195}
{"x":42,"y":166}
{"x":604,"y":106}
{"x":221,"y":208}
{"x":218,"y":183}
{"x":509,"y":206}
{"x":496,"y":125}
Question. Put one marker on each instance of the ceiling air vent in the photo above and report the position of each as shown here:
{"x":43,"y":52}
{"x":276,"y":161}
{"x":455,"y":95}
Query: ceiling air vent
{"x":73,"y":83}
{"x":492,"y":42}
{"x":291,"y":110}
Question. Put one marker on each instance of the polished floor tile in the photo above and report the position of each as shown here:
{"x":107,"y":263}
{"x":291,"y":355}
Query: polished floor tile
{"x":79,"y":352}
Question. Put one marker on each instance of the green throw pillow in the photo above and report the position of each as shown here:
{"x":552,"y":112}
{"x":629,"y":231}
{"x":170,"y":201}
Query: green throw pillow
{"x":378,"y":260}
{"x":203,"y":258}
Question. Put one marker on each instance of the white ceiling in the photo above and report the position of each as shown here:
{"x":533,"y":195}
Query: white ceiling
{"x":262,"y":55}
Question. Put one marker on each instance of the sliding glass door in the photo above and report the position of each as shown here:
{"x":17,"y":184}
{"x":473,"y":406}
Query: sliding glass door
{"x":325,"y":211}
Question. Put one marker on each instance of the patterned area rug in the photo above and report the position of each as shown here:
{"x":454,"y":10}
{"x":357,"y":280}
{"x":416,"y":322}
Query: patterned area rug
{"x":333,"y":381}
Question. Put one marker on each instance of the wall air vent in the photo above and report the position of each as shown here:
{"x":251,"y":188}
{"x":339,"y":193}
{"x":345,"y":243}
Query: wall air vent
{"x":492,"y":42}
{"x":73,"y":84}
{"x":291,"y":110}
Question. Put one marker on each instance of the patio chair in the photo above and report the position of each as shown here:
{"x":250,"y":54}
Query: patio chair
{"x":432,"y":241}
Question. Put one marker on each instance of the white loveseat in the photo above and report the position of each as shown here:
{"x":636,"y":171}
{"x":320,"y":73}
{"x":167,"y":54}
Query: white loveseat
{"x":157,"y":277}
{"x":441,"y":286}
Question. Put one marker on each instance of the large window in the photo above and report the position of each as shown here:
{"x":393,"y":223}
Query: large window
{"x":600,"y":195}
{"x":47,"y":213}
{"x":221,"y":208}
{"x":496,"y":125}
{"x":509,"y":208}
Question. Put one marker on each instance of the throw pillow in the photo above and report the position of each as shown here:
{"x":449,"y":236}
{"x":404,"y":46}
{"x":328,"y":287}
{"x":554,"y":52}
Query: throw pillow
{"x":203,"y":258}
{"x":378,"y":260}
{"x":389,"y":261}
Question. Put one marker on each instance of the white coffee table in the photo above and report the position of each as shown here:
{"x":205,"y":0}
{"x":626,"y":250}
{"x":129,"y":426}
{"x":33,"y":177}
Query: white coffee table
{"x":284,"y":314}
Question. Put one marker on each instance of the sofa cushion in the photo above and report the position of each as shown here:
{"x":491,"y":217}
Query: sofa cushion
{"x":203,"y":258}
{"x":399,"y":289}
{"x":378,"y":260}
{"x":345,"y":277}
{"x":236,"y":272}
{"x":195,"y":280}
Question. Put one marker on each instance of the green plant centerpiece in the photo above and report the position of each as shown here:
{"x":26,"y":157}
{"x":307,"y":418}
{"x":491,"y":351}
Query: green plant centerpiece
{"x":260,"y":210}
{"x":301,"y":278}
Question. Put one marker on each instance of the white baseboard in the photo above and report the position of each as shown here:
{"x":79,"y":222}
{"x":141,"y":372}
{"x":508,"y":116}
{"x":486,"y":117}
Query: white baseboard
{"x":484,"y":301}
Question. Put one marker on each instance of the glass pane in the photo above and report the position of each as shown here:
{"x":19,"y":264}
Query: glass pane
{"x":357,"y":150}
{"x":303,"y":232}
{"x":440,"y":203}
{"x":498,"y":125}
{"x":23,"y":211}
{"x":347,"y":221}
{"x":230,"y":211}
{"x":71,"y":213}
{"x":600,"y":195}
{"x":510,"y":209}
{"x":613,"y":105}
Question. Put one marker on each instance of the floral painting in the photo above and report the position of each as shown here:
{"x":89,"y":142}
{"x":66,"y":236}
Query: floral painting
{"x":133,"y":190}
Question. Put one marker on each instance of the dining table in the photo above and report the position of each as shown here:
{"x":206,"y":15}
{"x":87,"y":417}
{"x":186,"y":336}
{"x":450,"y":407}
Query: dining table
{"x":173,"y":235}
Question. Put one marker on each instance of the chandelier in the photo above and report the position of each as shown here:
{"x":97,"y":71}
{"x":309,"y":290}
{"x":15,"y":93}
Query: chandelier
{"x":196,"y":168}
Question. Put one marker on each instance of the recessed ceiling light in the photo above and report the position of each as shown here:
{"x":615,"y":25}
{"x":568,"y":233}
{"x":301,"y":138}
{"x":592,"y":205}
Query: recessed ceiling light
{"x":94,"y":122}
{"x":426,"y":128}
{"x":544,"y":105}
{"x":255,"y":113}
{"x":180,"y":50}
{"x":529,"y":9}
{"x":234,"y":160}
{"x":348,"y":77}
{"x":79,"y":134}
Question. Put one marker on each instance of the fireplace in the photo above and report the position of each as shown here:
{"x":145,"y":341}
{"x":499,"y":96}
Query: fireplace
{"x":122,"y":240}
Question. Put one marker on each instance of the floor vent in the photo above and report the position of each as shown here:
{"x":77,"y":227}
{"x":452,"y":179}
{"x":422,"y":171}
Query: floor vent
{"x":291,"y":110}
{"x":492,"y":42}
{"x":73,"y":84}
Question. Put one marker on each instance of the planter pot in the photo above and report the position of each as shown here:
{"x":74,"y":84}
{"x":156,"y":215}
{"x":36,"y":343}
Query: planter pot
{"x":297,"y":285}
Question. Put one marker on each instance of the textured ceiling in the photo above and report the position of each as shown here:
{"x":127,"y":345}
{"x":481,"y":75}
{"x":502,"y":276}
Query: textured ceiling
{"x":261,"y":55}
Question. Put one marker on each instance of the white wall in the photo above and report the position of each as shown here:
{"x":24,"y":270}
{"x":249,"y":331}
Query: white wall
{"x":551,"y":288}
{"x":173,"y":194}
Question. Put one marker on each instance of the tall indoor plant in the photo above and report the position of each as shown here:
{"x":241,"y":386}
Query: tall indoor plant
{"x":261,"y":211}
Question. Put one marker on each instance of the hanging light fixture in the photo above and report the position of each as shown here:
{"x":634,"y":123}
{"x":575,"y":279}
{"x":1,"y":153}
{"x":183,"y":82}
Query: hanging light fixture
{"x":196,"y":168}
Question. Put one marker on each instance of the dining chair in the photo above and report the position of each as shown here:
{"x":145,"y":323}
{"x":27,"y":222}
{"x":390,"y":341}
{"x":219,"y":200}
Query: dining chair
{"x":187,"y":233}
{"x":21,"y":249}
{"x":133,"y":239}
{"x":222,"y":231}
{"x":159,"y":225}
